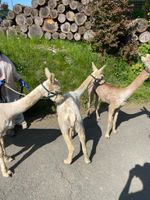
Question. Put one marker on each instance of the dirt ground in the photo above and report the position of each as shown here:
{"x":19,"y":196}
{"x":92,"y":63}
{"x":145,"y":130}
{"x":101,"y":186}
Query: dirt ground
{"x":120,"y":168}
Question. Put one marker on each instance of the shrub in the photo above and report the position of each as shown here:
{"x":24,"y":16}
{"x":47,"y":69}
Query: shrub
{"x":110,"y":19}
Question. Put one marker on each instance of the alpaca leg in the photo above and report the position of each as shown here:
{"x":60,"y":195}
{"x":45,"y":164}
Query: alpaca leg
{"x":114,"y":121}
{"x":110,"y":118}
{"x":97,"y":105}
{"x":91,"y":96}
{"x":70,"y":147}
{"x":5,"y":171}
{"x":84,"y":148}
{"x":6,"y":157}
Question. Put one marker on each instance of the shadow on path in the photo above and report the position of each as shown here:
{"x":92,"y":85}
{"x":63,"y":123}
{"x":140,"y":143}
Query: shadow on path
{"x":92,"y":132}
{"x":143,"y":173}
{"x":31,"y":140}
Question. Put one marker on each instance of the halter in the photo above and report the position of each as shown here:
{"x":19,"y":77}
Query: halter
{"x":50,"y":94}
{"x":97,"y":80}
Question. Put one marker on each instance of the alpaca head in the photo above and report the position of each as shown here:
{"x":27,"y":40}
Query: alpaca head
{"x":146,"y":60}
{"x":97,"y":74}
{"x":51,"y":85}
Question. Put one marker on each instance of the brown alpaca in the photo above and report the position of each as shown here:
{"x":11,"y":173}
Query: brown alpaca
{"x":116,"y":97}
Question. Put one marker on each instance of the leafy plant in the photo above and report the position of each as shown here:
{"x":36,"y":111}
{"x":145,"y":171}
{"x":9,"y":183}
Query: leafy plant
{"x":110,"y":19}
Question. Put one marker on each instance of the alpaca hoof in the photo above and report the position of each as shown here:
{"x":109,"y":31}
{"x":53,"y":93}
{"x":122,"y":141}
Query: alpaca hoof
{"x":87,"y":160}
{"x":8,"y":173}
{"x":107,"y":136}
{"x":8,"y":158}
{"x":67,"y":161}
{"x":114,"y":131}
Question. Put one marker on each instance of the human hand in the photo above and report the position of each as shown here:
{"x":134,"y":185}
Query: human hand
{"x":24,"y":84}
{"x":2,"y":82}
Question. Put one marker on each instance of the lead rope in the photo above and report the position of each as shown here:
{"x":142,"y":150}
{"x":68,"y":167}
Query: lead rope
{"x":7,"y":86}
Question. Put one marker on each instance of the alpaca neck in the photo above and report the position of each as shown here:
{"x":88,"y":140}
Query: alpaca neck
{"x":28,"y":101}
{"x":80,"y":90}
{"x":137,"y":82}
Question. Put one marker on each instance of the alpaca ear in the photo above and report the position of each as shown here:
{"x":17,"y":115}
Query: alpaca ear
{"x":102,"y":68}
{"x":94,"y":67}
{"x":47,"y":73}
{"x":52,"y":78}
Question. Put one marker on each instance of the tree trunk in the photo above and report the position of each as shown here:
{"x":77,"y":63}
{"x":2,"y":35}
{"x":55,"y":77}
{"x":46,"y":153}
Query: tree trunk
{"x":23,"y":28}
{"x":73,"y":5}
{"x":89,"y":35}
{"x":27,"y":11}
{"x":74,"y":27}
{"x":20,"y":19}
{"x":34,"y":12}
{"x":80,"y":7}
{"x":7,"y":23}
{"x":11,"y":15}
{"x":77,"y":36}
{"x":38,"y":20}
{"x":69,"y":36}
{"x":17,"y":9}
{"x":34,"y":3}
{"x":144,"y":37}
{"x":47,"y":35}
{"x":29,"y":21}
{"x":52,"y":4}
{"x":50,"y":26}
{"x":61,"y":8}
{"x":70,"y":16}
{"x":62,"y":36}
{"x":65,"y":28}
{"x":61,"y":18}
{"x":88,"y":25}
{"x":53,"y":14}
{"x":44,"y":12}
{"x":55,"y":35}
{"x":41,"y":2}
{"x":65,"y":2}
{"x":88,"y":10}
{"x":35,"y":31}
{"x":81,"y":30}
{"x":141,"y":25}
{"x":80,"y":19}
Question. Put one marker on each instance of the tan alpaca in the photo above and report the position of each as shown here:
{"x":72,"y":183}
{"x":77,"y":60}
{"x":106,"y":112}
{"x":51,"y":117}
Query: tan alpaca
{"x":69,"y":118}
{"x":116,"y":97}
{"x":49,"y":88}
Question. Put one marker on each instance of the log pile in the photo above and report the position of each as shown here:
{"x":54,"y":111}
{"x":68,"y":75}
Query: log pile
{"x":64,"y":19}
{"x":139,"y":29}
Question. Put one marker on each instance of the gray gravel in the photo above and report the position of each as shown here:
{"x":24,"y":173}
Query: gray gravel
{"x":120,"y":168}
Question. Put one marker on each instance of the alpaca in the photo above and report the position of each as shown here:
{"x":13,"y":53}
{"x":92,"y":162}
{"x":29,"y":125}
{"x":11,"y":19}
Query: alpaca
{"x":49,"y":88}
{"x":69,"y":118}
{"x":116,"y":97}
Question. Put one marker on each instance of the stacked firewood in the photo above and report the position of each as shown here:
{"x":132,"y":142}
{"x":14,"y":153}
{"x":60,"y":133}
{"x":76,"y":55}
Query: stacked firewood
{"x":139,"y":30}
{"x":64,"y":19}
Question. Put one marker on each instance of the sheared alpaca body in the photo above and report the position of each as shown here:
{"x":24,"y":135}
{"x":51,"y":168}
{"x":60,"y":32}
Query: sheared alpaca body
{"x":116,"y":97}
{"x":10,"y":110}
{"x":69,"y":117}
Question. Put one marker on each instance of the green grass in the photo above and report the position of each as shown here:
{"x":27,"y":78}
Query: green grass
{"x":70,"y":61}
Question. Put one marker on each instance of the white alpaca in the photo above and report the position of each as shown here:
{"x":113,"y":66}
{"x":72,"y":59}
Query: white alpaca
{"x":116,"y":97}
{"x":49,"y":88}
{"x":69,"y":118}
